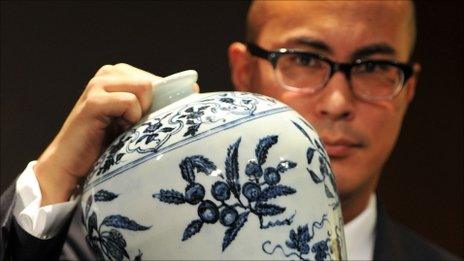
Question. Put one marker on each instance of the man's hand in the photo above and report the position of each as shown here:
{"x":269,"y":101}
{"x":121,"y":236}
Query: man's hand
{"x":114,"y":99}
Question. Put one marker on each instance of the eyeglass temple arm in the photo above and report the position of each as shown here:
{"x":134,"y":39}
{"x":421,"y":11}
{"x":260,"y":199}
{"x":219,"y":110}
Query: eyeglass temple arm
{"x":257,"y":51}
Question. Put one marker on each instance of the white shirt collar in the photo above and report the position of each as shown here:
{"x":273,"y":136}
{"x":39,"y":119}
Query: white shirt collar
{"x":360,"y":233}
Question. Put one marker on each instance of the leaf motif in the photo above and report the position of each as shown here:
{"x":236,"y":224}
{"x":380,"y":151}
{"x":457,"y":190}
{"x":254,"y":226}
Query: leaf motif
{"x":314,"y":177}
{"x":150,"y":138}
{"x":285,"y":165}
{"x":92,"y":223}
{"x":320,"y":147}
{"x":232,"y":168}
{"x":320,"y":248}
{"x":192,"y":130}
{"x":140,"y":139}
{"x":119,"y":156}
{"x":116,"y":237}
{"x":113,"y":250}
{"x":293,"y":236}
{"x":302,"y":131}
{"x":139,"y":256}
{"x":232,"y":232}
{"x":190,"y":109}
{"x":152,"y":127}
{"x":203,"y":108}
{"x":119,"y":221}
{"x":92,"y":241}
{"x":323,"y":167}
{"x":167,"y":129}
{"x":263,"y":146}
{"x":186,"y":169}
{"x":264,"y":209}
{"x":290,"y":244}
{"x":306,"y":123}
{"x":332,"y":181}
{"x":310,"y":155}
{"x":202,"y":164}
{"x":303,"y":248}
{"x":88,"y":204}
{"x":327,"y":192}
{"x":275,"y":191}
{"x":103,"y":195}
{"x":303,"y":234}
{"x":170,"y":196}
{"x":193,"y":228}
{"x":227,"y":100}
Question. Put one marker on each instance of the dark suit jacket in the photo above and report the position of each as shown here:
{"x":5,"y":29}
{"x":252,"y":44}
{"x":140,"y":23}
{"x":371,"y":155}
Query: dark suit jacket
{"x":393,"y":241}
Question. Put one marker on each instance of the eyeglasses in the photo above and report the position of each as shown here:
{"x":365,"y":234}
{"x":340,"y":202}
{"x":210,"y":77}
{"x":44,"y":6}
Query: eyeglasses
{"x":307,"y":72}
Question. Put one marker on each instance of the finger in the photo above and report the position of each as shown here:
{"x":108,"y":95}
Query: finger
{"x":117,"y":83}
{"x":196,"y":88}
{"x":135,"y":72}
{"x":110,"y":105}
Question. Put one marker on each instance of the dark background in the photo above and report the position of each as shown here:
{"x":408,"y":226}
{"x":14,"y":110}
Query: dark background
{"x":49,"y":50}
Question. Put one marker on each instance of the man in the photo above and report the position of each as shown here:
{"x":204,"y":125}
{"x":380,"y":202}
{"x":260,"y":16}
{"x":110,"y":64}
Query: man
{"x":356,"y":106}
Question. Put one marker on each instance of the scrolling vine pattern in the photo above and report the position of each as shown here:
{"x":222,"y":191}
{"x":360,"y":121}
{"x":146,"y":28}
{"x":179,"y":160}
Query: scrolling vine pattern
{"x":187,"y":121}
{"x":299,"y":243}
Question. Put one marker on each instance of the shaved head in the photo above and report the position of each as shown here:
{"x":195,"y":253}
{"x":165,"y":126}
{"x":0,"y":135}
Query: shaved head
{"x":261,"y":12}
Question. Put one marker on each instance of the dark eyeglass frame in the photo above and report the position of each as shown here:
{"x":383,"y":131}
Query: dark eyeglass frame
{"x":273,"y":57}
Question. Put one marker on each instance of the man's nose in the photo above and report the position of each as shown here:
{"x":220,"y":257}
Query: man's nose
{"x":337,"y":100}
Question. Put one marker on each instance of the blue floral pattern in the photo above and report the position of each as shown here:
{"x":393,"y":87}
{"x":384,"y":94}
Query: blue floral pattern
{"x":325,"y":170}
{"x":186,"y":122}
{"x":233,"y":201}
{"x":299,"y":243}
{"x":105,"y":239}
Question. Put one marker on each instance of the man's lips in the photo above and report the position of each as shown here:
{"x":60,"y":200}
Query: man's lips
{"x":340,"y":148}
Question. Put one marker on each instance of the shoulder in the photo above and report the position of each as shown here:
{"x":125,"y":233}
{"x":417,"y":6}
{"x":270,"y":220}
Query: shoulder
{"x":396,"y":241}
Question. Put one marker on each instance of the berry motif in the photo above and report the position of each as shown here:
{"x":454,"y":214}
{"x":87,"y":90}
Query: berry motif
{"x":208,"y":212}
{"x":271,"y":176}
{"x":251,"y":191}
{"x":228,"y":216}
{"x":232,"y":200}
{"x":194,"y":193}
{"x":220,"y":191}
{"x":253,"y":169}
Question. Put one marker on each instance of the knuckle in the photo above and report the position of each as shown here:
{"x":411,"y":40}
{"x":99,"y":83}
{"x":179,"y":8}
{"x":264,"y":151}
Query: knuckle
{"x":105,"y":69}
{"x":92,"y":102}
{"x":121,"y":65}
{"x":144,"y":86}
{"x":95,"y":82}
{"x":129,"y":100}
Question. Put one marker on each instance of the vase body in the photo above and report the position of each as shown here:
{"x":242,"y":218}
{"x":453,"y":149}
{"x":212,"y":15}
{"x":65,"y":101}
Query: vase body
{"x":225,"y":175}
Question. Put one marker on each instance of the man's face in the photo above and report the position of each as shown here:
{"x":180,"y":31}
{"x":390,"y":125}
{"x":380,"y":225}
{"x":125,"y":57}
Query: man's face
{"x":358,"y":135}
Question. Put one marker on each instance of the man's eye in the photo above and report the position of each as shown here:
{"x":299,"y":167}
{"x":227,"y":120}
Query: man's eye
{"x":304,"y":60}
{"x":371,"y":67}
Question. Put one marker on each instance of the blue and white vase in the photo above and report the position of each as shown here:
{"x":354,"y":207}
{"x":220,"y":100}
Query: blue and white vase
{"x":223,"y":175}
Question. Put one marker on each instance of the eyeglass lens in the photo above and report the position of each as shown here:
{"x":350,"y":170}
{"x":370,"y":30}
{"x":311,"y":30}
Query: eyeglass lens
{"x":307,"y":73}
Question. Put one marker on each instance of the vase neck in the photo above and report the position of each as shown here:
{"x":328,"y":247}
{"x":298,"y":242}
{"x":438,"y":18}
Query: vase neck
{"x":172,"y":88}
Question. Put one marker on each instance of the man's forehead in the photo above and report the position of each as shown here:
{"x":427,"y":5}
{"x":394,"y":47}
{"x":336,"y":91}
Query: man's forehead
{"x":267,"y":9}
{"x":342,"y":19}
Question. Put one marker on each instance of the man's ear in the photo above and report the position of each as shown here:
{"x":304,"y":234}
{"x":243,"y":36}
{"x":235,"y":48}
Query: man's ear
{"x":412,"y":83}
{"x":240,"y":66}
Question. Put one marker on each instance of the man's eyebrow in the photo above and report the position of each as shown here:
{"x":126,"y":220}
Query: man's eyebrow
{"x":310,"y":42}
{"x":366,"y":51}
